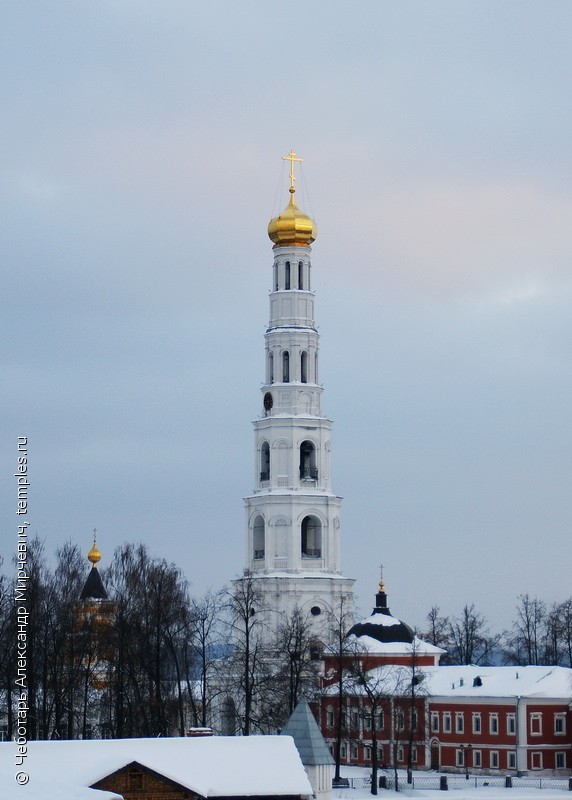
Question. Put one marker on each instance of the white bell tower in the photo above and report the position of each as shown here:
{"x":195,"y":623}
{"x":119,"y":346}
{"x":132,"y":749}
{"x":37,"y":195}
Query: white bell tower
{"x":293,"y":517}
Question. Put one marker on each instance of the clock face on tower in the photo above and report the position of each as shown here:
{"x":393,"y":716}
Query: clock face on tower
{"x":268,"y":401}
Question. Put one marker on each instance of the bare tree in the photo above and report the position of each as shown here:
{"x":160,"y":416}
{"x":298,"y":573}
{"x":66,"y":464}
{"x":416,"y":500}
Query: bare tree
{"x":471,"y":639}
{"x":247,"y":620}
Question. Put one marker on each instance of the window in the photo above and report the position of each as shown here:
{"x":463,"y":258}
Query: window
{"x":367,"y":721}
{"x":265,"y":462}
{"x":400,"y":758}
{"x":536,"y":724}
{"x":354,"y":716}
{"x":270,"y":367}
{"x":434,"y":722}
{"x":459,"y":722}
{"x":379,"y":719}
{"x":275,"y":276}
{"x":536,"y":760}
{"x":447,"y":722}
{"x":285,"y":367}
{"x":493,"y":723}
{"x":460,"y":758}
{"x":304,"y":367}
{"x":560,"y":761}
{"x":354,"y":751}
{"x":380,"y":754}
{"x":287,"y":275}
{"x":258,"y":537}
{"x":494,"y":759}
{"x":329,"y":717}
{"x":413,"y":754}
{"x":477,"y":758}
{"x":300,"y":274}
{"x":400,"y":719}
{"x":311,"y":538}
{"x":308,"y":468}
{"x":560,"y":724}
{"x":413,"y":719}
{"x":476,"y":722}
{"x":511,"y":759}
{"x":343,"y":750}
{"x":367,"y":753}
{"x":511,"y":723}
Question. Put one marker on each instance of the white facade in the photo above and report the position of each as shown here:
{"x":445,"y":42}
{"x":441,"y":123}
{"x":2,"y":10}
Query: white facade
{"x":292,"y":516}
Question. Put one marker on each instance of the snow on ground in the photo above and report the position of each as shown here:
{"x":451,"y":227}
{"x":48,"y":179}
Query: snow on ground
{"x":466,"y":793}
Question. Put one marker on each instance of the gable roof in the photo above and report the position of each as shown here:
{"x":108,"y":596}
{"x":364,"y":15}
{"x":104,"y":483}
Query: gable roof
{"x":215,"y":766}
{"x":310,"y":743}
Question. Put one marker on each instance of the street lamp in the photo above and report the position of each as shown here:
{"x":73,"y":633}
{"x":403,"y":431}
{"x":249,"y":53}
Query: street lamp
{"x":466,"y":749}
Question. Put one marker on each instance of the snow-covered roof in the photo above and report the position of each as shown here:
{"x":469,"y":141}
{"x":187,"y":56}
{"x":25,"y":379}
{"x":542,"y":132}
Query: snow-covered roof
{"x":209,"y":766}
{"x":471,"y":682}
{"x":417,"y":647}
{"x":39,"y":788}
{"x":474,"y":681}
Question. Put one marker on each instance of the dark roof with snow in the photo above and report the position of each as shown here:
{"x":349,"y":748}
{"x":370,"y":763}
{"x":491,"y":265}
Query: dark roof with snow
{"x":310,"y":743}
{"x":381,"y":625}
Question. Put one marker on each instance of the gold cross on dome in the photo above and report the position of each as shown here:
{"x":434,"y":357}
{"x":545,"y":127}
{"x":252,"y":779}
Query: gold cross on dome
{"x":94,"y":535}
{"x":291,"y":157}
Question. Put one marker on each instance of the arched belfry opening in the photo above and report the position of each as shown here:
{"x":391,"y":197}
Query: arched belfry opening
{"x":287,"y":275}
{"x":258,"y":537}
{"x":265,"y":462}
{"x":300,"y":274}
{"x":270,"y":367}
{"x":304,"y":366}
{"x":285,"y":367}
{"x":308,"y":464}
{"x":311,"y":543}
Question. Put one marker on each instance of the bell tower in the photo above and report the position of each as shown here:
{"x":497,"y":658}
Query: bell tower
{"x":292,"y":516}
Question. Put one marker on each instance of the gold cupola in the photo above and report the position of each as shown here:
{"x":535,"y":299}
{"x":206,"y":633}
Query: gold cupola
{"x":292,"y":228}
{"x":94,"y":555}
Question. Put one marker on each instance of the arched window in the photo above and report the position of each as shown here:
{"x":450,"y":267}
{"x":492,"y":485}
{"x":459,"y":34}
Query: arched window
{"x":300,"y":274}
{"x":271,"y":367}
{"x":285,"y":367}
{"x":265,"y":462}
{"x":258,"y":537}
{"x":304,"y":367}
{"x":275,"y":276}
{"x":316,"y":368}
{"x":311,"y":537}
{"x":308,"y":468}
{"x":287,"y":275}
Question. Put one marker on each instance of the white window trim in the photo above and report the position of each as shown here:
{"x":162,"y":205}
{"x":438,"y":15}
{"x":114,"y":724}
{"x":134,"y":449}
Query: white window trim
{"x":562,"y":754}
{"x":538,"y":755}
{"x":459,"y":722}
{"x":534,"y":718}
{"x":557,"y":717}
{"x":477,"y":756}
{"x":494,"y":717}
{"x":477,"y":718}
{"x":447,"y":722}
{"x":494,"y":756}
{"x":434,"y":722}
{"x":511,"y":718}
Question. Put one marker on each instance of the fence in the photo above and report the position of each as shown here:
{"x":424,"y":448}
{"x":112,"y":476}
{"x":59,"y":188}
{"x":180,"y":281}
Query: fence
{"x":459,"y":782}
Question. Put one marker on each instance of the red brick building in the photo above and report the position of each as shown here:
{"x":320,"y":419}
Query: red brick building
{"x":397,"y":699}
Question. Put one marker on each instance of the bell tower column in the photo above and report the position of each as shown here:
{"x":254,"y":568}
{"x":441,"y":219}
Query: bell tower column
{"x":293,"y":517}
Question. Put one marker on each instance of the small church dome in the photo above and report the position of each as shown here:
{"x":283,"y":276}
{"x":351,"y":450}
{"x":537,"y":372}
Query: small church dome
{"x":292,"y":228}
{"x":94,"y":555}
{"x":381,"y":625}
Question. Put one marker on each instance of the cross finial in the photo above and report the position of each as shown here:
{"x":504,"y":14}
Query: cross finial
{"x":94,"y":535}
{"x":381,"y":583}
{"x":291,"y":157}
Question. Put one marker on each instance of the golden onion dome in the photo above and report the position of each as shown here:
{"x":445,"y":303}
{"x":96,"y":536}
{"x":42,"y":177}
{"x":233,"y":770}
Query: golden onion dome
{"x":94,"y":555}
{"x":292,"y":228}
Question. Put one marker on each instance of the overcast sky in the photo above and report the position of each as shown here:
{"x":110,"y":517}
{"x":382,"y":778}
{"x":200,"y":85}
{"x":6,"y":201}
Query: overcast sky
{"x":141,"y":145}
